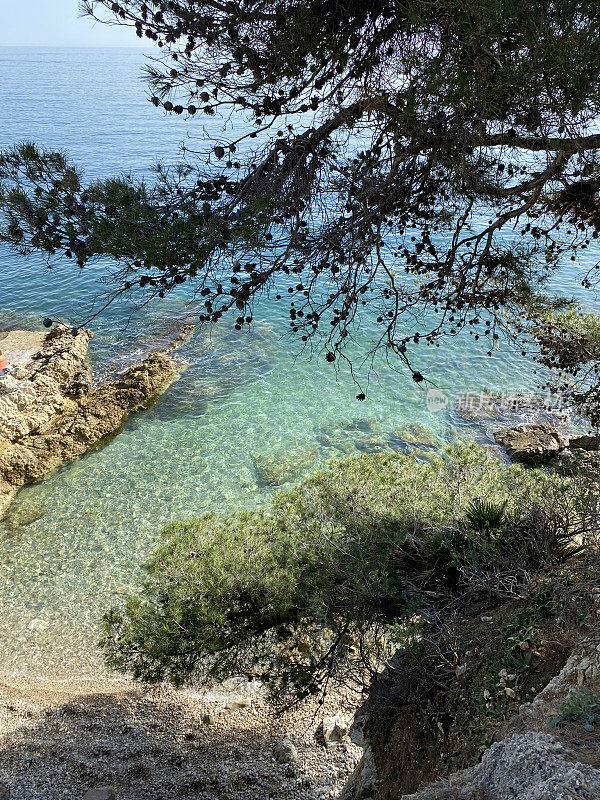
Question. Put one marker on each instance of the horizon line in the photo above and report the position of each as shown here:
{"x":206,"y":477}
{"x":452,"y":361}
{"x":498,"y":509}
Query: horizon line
{"x":80,"y":46}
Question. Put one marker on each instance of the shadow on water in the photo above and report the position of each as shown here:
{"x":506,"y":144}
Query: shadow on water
{"x":218,"y":363}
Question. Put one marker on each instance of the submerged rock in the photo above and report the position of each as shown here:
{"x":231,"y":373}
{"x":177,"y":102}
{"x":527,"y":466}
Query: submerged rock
{"x":50,"y":412}
{"x":372,"y":445}
{"x":25,"y":515}
{"x":283,"y":466}
{"x":359,"y":425}
{"x":417,"y":434}
{"x":412,"y":438}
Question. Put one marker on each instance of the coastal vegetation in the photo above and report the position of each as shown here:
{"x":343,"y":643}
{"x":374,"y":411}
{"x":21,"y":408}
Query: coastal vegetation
{"x":399,"y":173}
{"x":374,"y":554}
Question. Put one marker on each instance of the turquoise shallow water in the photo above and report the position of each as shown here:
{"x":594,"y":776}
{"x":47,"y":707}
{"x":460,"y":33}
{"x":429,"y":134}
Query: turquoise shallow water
{"x":250,"y":409}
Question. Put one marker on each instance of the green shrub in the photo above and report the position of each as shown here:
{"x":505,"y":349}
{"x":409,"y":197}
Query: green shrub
{"x":295,"y":593}
{"x":580,"y":706}
{"x":484,"y":515}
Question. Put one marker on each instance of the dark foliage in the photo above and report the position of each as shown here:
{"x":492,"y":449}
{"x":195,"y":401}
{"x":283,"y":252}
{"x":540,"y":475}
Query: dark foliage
{"x":402,"y":156}
{"x":327,"y":583}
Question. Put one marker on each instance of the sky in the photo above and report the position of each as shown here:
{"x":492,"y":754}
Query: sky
{"x":57,"y":23}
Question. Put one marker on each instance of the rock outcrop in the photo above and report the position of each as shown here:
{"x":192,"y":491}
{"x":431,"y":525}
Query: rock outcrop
{"x":585,"y":442}
{"x":536,"y":443}
{"x":51,"y":412}
{"x":531,"y":444}
{"x":529,"y":766}
{"x":531,"y":763}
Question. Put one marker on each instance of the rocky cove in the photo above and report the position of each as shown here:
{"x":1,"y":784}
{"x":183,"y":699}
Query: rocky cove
{"x":225,"y":742}
{"x":473,"y":719}
{"x":118,"y":452}
{"x":51,"y":411}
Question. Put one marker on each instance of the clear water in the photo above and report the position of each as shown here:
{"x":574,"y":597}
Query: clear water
{"x":249,"y":411}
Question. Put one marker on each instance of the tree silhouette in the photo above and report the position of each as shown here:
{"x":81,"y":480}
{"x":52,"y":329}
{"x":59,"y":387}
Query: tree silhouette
{"x":428,"y":162}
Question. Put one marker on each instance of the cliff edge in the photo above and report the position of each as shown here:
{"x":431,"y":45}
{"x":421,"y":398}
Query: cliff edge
{"x":505,"y":705}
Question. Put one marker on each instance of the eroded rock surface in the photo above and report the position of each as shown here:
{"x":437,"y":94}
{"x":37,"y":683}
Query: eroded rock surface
{"x":536,"y":443}
{"x":530,"y":444}
{"x":585,"y":442}
{"x":537,"y":761}
{"x":50,"y":411}
{"x":529,"y":766}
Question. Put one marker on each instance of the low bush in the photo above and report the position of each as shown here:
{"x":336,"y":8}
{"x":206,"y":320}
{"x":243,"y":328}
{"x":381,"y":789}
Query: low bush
{"x":582,"y":707}
{"x":333,"y":571}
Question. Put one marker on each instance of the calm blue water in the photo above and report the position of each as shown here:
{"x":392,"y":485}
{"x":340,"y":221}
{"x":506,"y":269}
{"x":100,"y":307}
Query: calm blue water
{"x":251,"y":410}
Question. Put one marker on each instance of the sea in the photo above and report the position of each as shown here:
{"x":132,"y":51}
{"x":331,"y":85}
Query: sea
{"x":250,"y":415}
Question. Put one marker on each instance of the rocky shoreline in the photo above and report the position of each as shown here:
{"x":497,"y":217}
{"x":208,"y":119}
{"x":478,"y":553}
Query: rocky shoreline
{"x":123,"y":742}
{"x":51,"y":411}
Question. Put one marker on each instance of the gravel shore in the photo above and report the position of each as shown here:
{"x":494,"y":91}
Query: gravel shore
{"x":60,"y":739}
